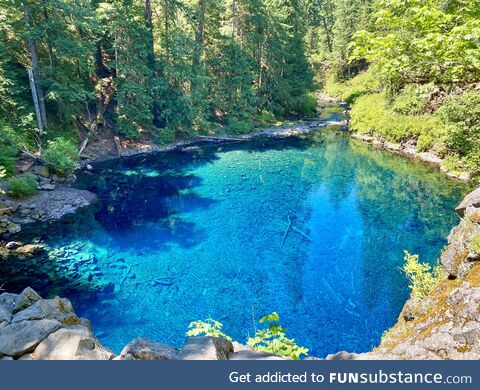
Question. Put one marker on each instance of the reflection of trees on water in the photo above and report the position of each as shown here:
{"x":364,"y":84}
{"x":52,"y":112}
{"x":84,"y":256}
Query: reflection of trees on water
{"x":403,"y":206}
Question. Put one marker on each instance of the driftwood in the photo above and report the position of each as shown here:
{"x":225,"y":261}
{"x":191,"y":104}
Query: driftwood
{"x":38,"y":158}
{"x":118,"y":145}
{"x":286,"y":231}
{"x":290,"y":226}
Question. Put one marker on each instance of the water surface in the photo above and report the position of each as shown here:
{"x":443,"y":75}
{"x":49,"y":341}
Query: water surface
{"x":200,"y":233}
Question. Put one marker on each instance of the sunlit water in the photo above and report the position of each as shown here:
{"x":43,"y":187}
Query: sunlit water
{"x":200,"y":233}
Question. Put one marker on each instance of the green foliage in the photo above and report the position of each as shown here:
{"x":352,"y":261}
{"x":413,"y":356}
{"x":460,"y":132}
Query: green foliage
{"x":421,"y":277}
{"x":350,"y":90}
{"x":307,"y":105}
{"x":62,"y":155}
{"x":421,"y":41}
{"x":474,"y":244}
{"x":8,"y":152}
{"x":461,"y":117}
{"x":238,"y":127}
{"x":274,"y":340}
{"x":271,"y":339}
{"x":413,"y":99}
{"x":453,"y":164}
{"x":22,"y":186}
{"x":209,"y":327}
{"x":266,"y":117}
{"x":370,"y":115}
{"x":425,"y":142}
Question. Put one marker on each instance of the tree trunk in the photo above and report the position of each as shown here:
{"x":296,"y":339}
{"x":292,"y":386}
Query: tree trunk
{"x":199,"y":34}
{"x":150,"y":44}
{"x":35,"y":71}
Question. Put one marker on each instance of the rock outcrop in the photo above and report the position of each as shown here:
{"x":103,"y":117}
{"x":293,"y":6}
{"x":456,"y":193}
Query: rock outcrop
{"x":51,"y":203}
{"x":32,"y":328}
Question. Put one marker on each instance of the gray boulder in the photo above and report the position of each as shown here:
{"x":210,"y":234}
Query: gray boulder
{"x":471,"y":200}
{"x":206,"y":348}
{"x":143,"y":349}
{"x":22,"y":337}
{"x":252,"y":355}
{"x":25,"y":299}
{"x":343,"y":356}
{"x":8,"y":300}
{"x":72,"y":343}
{"x":5,"y":314}
{"x":55,"y":309}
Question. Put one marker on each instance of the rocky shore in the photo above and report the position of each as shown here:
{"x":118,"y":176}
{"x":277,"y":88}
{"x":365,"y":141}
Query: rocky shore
{"x":51,"y":203}
{"x":409,"y":149}
{"x":32,"y":328}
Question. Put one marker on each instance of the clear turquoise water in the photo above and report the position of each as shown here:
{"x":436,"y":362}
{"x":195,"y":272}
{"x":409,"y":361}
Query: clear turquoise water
{"x":196,"y":234}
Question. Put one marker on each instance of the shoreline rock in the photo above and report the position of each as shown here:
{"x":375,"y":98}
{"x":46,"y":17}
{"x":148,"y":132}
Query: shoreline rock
{"x":45,"y":206}
{"x":33,"y":328}
{"x":408,"y":150}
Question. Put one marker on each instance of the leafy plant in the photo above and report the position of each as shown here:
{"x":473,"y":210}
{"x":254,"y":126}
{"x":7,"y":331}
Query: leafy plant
{"x":421,"y":276}
{"x":62,"y":155}
{"x":425,"y":142}
{"x":307,"y":104}
{"x":22,"y":186}
{"x":209,"y":327}
{"x":474,"y":244}
{"x":238,"y":126}
{"x":274,"y":340}
{"x":266,"y":117}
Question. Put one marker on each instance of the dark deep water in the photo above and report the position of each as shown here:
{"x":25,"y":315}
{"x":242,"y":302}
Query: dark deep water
{"x":194,"y":234}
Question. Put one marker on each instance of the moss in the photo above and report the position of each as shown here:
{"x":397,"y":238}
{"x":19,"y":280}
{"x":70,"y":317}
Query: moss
{"x":464,"y":348}
{"x":473,"y":276}
{"x":460,"y":258}
{"x":474,"y":243}
{"x":418,"y":328}
{"x":474,"y":217}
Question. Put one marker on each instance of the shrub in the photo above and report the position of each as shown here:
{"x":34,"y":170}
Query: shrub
{"x":474,"y":244}
{"x":461,"y":117}
{"x":209,"y":327}
{"x":238,"y":126}
{"x":307,"y":105}
{"x":164,"y":136}
{"x":273,"y":339}
{"x":62,"y":155}
{"x":453,"y":164}
{"x":8,"y":150}
{"x":421,"y":276}
{"x":413,"y":99}
{"x":22,"y":186}
{"x":266,"y":117}
{"x":425,"y":142}
{"x":349,"y":91}
{"x":370,"y":114}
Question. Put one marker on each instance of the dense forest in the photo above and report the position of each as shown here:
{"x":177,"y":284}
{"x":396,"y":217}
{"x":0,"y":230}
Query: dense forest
{"x":170,"y":69}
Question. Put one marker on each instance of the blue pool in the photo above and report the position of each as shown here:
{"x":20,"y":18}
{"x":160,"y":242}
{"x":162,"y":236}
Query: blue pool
{"x":200,"y":232}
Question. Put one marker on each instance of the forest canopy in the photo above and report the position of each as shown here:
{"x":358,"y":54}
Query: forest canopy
{"x":172,"y":69}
